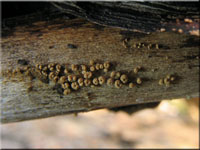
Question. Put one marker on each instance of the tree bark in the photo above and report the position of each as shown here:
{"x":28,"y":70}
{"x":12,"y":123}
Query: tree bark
{"x":44,"y":42}
{"x":140,"y":16}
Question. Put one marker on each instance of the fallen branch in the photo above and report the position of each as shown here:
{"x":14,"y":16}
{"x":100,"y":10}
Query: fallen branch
{"x":42,"y":42}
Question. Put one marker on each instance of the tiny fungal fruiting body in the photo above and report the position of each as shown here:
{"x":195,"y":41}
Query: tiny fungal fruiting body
{"x":118,"y":84}
{"x":74,"y":67}
{"x":67,"y":91}
{"x":92,"y":68}
{"x":131,"y":85}
{"x":83,"y":67}
{"x":110,"y":81}
{"x":75,"y":85}
{"x":105,"y":70}
{"x":95,"y":81}
{"x":139,"y":81}
{"x":101,"y":80}
{"x":91,"y":62}
{"x":87,"y":82}
{"x":106,"y":65}
{"x":87,"y":75}
{"x":65,"y":85}
{"x":75,"y":77}
{"x":137,"y":69}
{"x":80,"y":80}
{"x":124,"y":78}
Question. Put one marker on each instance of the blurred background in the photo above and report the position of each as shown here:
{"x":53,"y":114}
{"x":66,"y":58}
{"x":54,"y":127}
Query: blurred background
{"x":172,"y":124}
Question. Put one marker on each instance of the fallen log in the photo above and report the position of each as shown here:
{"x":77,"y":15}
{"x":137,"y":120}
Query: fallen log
{"x":160,"y":65}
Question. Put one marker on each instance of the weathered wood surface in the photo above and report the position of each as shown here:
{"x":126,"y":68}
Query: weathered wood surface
{"x":45,"y":42}
{"x":140,"y":16}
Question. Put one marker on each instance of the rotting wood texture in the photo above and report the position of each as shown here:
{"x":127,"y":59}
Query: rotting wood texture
{"x":23,"y":98}
{"x":140,"y":16}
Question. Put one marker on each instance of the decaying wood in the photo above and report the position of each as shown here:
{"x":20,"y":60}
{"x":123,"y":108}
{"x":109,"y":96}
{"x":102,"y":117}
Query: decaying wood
{"x":140,"y":16}
{"x":44,"y":42}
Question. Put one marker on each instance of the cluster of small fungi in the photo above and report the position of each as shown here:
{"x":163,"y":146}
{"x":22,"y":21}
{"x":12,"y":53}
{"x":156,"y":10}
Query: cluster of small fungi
{"x":167,"y":80}
{"x":140,"y":45}
{"x":73,"y":77}
{"x":184,"y":26}
{"x":145,"y":45}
